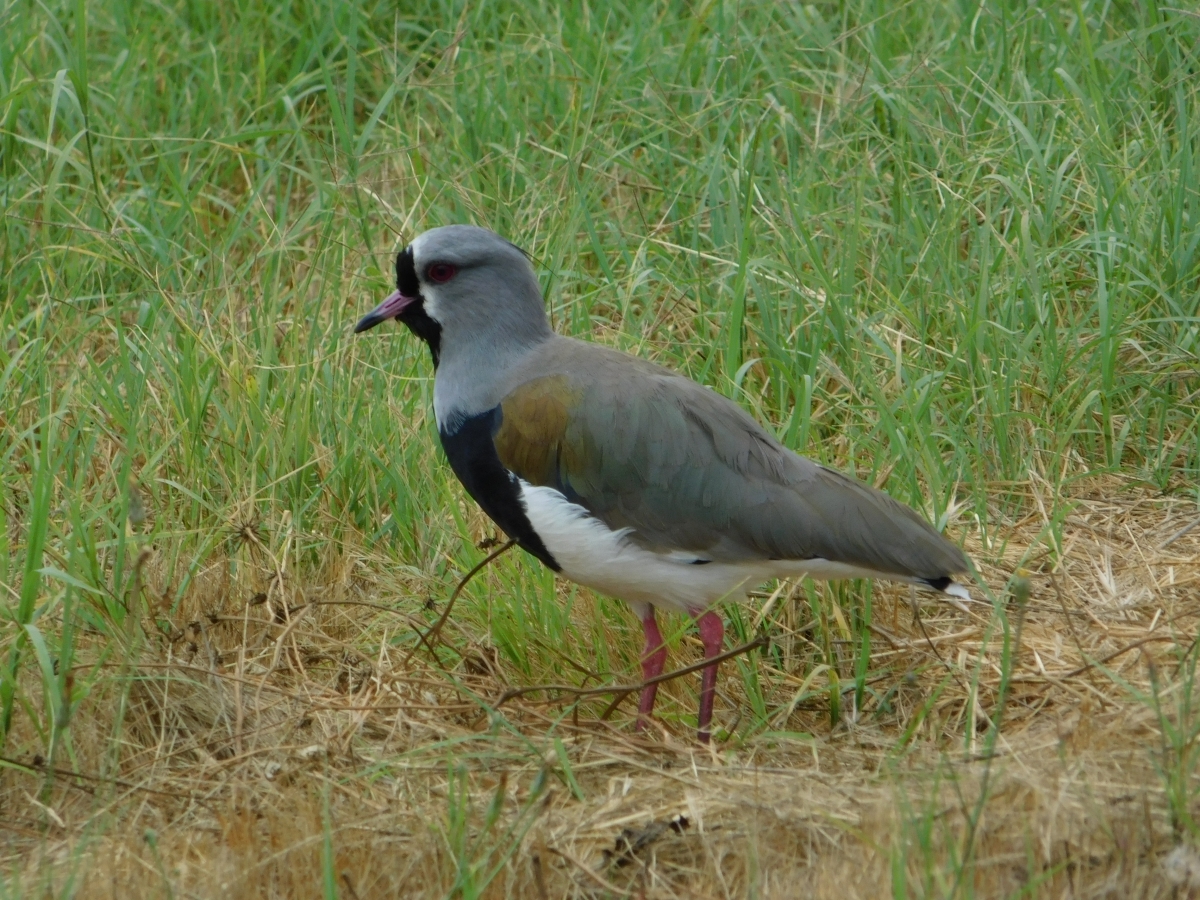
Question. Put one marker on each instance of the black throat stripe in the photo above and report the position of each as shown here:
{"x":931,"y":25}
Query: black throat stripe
{"x":419,"y":322}
{"x":473,"y":458}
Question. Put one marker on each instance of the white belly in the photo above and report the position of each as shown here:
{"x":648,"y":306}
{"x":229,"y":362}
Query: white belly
{"x":592,"y":554}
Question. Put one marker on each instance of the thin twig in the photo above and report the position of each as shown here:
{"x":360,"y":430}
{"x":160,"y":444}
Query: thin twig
{"x":437,"y":626}
{"x":32,"y":768}
{"x":1177,"y":535}
{"x":293,"y":621}
{"x":1062,"y":602}
{"x":625,"y":689}
{"x":387,"y":609}
{"x":579,"y":864}
{"x":916,"y":611}
{"x":1158,"y":638}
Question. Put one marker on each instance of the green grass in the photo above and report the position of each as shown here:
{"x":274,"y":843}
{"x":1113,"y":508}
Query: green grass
{"x":953,"y":248}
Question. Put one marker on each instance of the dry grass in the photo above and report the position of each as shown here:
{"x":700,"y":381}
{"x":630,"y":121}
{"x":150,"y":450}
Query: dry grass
{"x":252,"y":734}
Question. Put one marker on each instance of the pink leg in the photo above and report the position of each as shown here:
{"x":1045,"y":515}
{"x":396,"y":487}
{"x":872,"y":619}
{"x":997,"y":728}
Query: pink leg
{"x":654,"y":657}
{"x":712,"y":634}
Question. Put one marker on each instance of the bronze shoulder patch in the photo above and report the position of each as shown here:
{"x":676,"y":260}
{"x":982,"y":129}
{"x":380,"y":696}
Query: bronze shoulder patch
{"x":533,"y":425}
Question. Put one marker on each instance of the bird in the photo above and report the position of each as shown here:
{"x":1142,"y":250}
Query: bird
{"x":625,"y":476}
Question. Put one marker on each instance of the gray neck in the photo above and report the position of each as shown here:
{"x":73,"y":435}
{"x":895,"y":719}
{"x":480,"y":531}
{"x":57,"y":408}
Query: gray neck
{"x":477,"y":359}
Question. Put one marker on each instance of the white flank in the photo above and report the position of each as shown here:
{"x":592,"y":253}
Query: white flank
{"x":592,"y":554}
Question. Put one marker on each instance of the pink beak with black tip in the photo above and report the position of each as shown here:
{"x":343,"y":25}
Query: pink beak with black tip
{"x":390,"y":308}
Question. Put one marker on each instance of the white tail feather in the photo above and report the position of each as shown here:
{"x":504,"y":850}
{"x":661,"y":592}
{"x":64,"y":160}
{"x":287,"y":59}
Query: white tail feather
{"x":954,"y":589}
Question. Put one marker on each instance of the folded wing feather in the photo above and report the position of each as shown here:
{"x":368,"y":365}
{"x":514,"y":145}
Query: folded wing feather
{"x":688,"y":470}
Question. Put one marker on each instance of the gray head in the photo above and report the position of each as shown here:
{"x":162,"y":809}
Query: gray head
{"x":464,"y":289}
{"x":473,"y":298}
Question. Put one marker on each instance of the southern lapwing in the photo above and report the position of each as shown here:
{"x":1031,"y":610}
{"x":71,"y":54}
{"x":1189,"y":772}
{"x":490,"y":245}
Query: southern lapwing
{"x":622,"y":475}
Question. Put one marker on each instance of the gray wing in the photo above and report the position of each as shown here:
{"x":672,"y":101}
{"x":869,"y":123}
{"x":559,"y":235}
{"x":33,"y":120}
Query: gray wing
{"x":687,"y":469}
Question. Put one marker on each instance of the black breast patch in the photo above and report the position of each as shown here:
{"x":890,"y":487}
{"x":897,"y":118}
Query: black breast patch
{"x":473,"y":458}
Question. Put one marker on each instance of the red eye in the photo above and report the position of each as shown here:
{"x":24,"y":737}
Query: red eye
{"x":440,"y":273}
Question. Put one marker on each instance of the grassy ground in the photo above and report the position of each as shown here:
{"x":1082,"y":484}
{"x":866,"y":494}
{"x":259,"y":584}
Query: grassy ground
{"x":952,"y":247}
